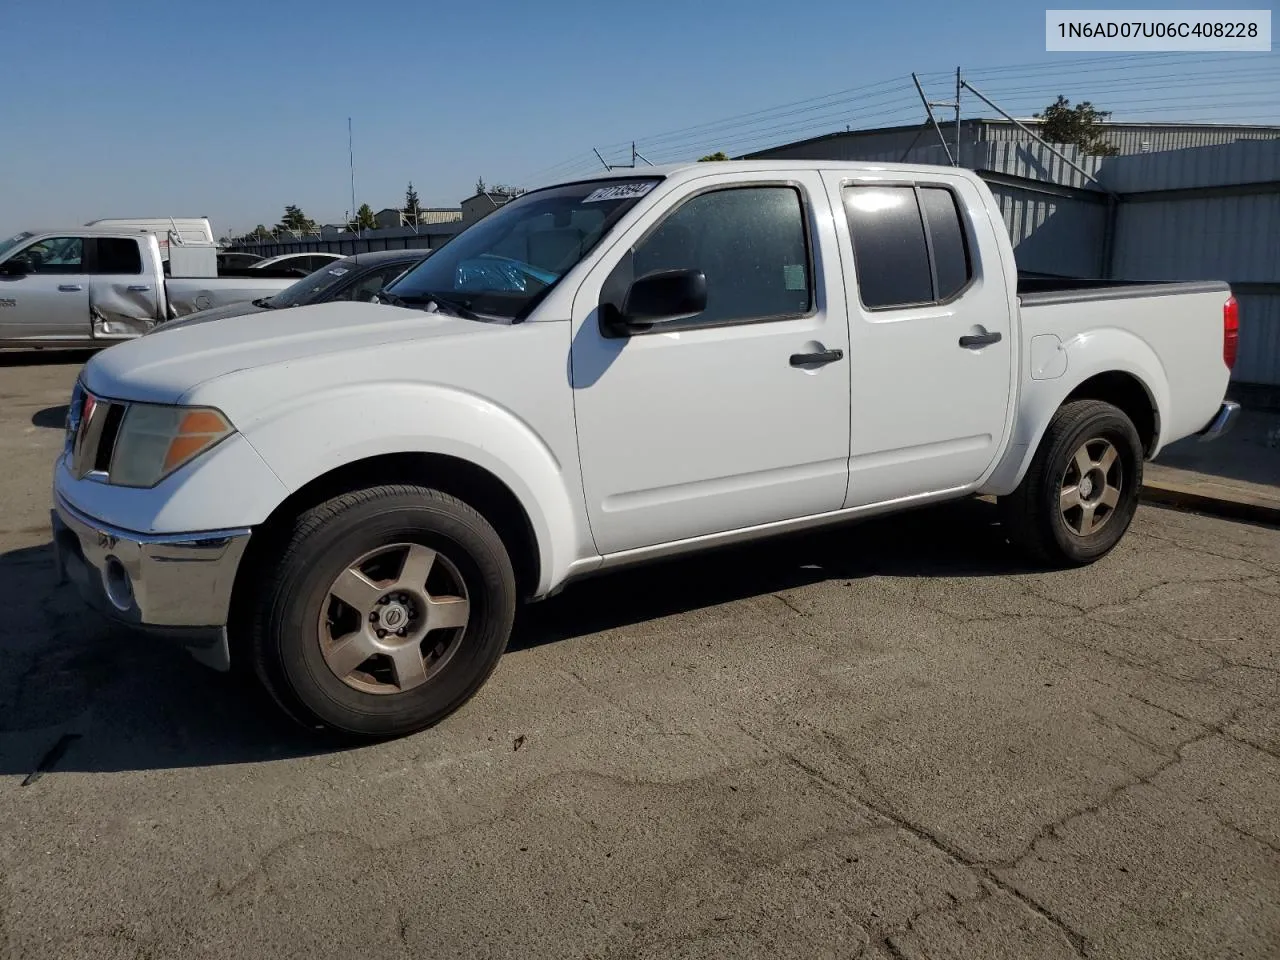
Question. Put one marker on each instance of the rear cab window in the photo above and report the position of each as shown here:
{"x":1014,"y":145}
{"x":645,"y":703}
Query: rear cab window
{"x":910,"y":246}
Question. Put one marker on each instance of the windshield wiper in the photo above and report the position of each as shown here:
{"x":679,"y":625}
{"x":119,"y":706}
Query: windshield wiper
{"x":390,"y":299}
{"x":461,"y":309}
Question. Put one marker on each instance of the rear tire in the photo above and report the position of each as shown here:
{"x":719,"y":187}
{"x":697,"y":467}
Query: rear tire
{"x":1081,"y":491}
{"x":388,"y":608}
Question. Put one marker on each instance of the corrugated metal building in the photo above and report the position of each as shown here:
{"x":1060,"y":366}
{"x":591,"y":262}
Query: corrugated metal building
{"x":1204,"y":205}
{"x":1128,"y":138}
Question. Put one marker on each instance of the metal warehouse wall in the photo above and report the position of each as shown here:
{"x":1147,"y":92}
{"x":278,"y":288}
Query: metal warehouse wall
{"x":1209,"y":213}
{"x":1138,"y":139}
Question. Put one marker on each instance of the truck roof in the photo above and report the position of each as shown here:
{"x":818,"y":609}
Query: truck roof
{"x":747,"y":166}
{"x":71,"y":230}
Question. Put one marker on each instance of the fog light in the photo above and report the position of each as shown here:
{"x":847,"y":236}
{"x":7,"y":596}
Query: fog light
{"x":115,"y":578}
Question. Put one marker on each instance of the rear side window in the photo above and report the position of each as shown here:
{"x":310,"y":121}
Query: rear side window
{"x":946,"y":231}
{"x":909,"y":244}
{"x":118,"y":255}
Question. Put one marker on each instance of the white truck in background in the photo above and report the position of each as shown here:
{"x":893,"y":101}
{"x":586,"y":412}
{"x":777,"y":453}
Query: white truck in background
{"x":354,"y":498}
{"x":109,"y":281}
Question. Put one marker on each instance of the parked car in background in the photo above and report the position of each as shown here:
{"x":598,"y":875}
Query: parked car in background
{"x":92,"y":286}
{"x":355,"y":498}
{"x":238,"y":260}
{"x":304,"y":263}
{"x":359,"y":277}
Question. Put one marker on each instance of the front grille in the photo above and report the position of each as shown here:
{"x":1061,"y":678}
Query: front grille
{"x":93,"y":426}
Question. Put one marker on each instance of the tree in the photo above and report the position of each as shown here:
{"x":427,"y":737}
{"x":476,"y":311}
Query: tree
{"x":260,"y":233}
{"x":363,"y":220}
{"x":295,"y":219}
{"x":718,"y":155}
{"x":1080,"y":125}
{"x":480,"y":186}
{"x":412,"y":209}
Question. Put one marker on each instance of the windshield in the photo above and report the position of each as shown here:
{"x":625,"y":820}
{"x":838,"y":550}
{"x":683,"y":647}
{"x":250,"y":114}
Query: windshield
{"x":313,"y":286}
{"x":504,"y":265}
{"x":9,"y":244}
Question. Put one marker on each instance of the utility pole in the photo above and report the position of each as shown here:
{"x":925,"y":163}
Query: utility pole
{"x":351,"y":163}
{"x":959,"y":84}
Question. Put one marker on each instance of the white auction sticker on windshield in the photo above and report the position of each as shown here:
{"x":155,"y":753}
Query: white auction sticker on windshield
{"x":621,"y":191}
{"x":337,"y":271}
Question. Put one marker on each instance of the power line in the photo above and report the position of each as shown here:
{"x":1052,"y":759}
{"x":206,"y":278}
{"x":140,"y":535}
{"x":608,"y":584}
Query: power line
{"x":819,"y":112}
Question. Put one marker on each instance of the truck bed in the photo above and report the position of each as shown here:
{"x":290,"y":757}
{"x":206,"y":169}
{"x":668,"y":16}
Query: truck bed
{"x":1033,"y":291}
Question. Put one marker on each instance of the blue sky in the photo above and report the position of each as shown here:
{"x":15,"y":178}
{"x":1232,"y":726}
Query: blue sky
{"x":232,"y":110}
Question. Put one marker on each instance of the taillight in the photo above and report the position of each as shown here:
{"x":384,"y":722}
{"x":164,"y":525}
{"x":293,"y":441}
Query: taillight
{"x":1230,"y":332}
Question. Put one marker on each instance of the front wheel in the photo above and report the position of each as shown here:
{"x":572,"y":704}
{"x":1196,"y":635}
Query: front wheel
{"x":1081,"y":491}
{"x":388,"y":609}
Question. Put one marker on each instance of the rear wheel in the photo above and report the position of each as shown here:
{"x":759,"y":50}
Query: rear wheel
{"x":389,"y":608}
{"x":1081,"y":491}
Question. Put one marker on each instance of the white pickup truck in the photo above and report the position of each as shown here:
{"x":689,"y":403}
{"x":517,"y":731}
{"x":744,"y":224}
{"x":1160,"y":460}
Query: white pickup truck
{"x":93,"y":286}
{"x":354,"y":498}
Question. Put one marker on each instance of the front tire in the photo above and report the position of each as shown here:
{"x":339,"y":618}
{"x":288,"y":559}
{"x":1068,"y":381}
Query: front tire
{"x":388,"y":609}
{"x":1081,"y":491}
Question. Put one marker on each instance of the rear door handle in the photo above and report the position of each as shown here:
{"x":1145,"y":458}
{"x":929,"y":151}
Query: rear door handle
{"x":138,"y":288}
{"x":980,"y":339}
{"x":70,"y":287}
{"x":823,"y":356}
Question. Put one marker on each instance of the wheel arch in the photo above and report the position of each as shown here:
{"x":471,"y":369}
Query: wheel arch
{"x":1122,"y":370}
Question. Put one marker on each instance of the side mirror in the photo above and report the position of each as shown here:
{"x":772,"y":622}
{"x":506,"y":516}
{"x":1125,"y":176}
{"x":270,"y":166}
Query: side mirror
{"x":17,"y":267}
{"x":659,"y":297}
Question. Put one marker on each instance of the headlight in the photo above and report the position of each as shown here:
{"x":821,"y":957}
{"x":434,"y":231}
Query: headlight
{"x":154,"y":441}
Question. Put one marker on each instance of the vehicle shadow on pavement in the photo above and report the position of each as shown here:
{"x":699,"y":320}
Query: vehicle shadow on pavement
{"x":78,"y":694}
{"x":52,"y":418}
{"x":962,"y":539}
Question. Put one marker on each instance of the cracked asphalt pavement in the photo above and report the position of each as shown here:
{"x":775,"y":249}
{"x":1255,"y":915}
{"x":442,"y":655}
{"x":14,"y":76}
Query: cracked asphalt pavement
{"x":889,"y":740}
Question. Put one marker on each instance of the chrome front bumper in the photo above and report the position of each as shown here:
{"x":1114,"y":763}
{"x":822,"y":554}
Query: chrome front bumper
{"x":177,"y":585}
{"x":1226,"y":418}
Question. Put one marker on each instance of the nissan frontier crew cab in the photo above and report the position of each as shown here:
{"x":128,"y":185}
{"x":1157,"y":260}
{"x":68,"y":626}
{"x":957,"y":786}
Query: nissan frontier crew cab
{"x":353,"y":498}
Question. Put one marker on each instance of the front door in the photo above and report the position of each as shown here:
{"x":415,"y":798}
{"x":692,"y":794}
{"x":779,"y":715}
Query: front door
{"x":731,"y":418}
{"x":932,"y":349}
{"x":50,"y":302}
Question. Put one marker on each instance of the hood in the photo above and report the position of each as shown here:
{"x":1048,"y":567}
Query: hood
{"x":163,"y":369}
{"x":243,"y":308}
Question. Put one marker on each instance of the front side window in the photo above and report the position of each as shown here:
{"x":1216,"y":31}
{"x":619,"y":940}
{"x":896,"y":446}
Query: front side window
{"x":506,"y":263}
{"x":371,"y":284}
{"x":749,"y":242}
{"x":55,"y":255}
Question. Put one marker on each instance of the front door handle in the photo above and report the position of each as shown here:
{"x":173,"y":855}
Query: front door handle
{"x":822,"y":356}
{"x":138,"y":288}
{"x":980,"y":339}
{"x":70,"y":287}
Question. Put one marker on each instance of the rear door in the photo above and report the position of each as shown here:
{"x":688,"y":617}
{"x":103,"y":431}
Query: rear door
{"x":931,"y":340}
{"x":52,"y":301}
{"x":123,"y":300}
